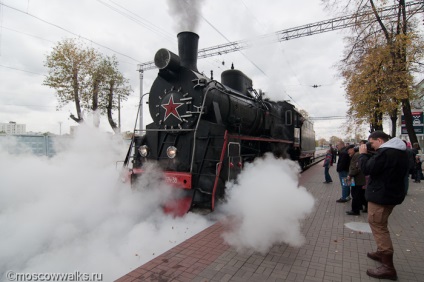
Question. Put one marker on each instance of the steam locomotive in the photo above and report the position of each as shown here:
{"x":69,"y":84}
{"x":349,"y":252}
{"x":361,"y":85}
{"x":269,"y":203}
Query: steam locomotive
{"x":204,"y":131}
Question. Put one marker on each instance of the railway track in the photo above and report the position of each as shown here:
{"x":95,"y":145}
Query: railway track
{"x":319,"y":156}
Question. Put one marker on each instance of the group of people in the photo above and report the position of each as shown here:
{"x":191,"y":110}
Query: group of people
{"x":351,"y":177}
{"x":376,"y":175}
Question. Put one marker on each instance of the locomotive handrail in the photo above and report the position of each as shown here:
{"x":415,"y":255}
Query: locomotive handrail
{"x":139,"y":113}
{"x":202,"y":112}
{"x":244,"y":137}
{"x":243,"y":97}
{"x":236,"y":93}
{"x":241,"y":137}
{"x":197,"y":126}
{"x":219,"y":168}
{"x":167,"y":130}
{"x":229,"y":157}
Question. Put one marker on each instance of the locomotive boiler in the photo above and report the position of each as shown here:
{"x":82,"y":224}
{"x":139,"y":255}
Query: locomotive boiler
{"x":204,"y":131}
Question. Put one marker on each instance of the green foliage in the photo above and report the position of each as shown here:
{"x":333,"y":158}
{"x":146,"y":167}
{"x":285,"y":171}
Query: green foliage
{"x":334,"y":140}
{"x":70,"y":67}
{"x":377,"y":80}
{"x":114,"y":85}
{"x":81,"y":75}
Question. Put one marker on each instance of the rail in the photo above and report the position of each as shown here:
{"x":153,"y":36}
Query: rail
{"x":319,"y":156}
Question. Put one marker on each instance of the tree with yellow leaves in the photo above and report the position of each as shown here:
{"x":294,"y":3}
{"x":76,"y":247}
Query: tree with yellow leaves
{"x":381,"y":56}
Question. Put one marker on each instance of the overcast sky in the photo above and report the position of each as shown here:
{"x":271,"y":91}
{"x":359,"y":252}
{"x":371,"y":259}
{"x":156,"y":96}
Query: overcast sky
{"x":135,"y":30}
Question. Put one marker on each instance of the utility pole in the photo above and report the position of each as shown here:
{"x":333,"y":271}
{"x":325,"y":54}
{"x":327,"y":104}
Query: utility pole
{"x":119,"y":112}
{"x":60,"y":128}
{"x":141,"y":70}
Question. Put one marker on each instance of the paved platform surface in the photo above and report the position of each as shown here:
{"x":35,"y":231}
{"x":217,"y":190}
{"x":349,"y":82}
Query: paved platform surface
{"x":332,"y":252}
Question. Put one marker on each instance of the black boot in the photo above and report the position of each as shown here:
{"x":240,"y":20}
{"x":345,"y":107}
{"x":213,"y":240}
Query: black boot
{"x":386,"y":270}
{"x":352,"y":213}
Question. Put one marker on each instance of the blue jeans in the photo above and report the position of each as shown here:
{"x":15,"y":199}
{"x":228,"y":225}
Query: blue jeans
{"x":345,"y":189}
{"x":327,"y":174}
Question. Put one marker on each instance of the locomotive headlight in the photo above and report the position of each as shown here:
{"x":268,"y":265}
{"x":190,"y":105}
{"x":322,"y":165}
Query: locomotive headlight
{"x":143,"y":150}
{"x":171,"y":152}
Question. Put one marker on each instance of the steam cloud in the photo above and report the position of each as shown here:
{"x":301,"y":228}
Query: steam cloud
{"x":186,"y":12}
{"x":266,"y":206}
{"x":72,"y":213}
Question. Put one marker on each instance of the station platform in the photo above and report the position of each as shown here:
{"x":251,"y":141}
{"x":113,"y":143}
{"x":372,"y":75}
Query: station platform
{"x":335,"y":248}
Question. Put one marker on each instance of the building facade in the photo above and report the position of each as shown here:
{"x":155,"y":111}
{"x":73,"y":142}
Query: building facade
{"x":12,"y":128}
{"x":417,"y":107}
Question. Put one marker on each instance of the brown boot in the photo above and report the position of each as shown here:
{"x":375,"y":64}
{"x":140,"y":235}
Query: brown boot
{"x":386,"y":270}
{"x":375,"y":255}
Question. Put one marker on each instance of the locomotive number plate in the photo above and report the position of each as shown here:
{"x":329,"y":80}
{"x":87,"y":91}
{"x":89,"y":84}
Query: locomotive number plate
{"x":174,"y":179}
{"x":171,"y":179}
{"x":178,"y":179}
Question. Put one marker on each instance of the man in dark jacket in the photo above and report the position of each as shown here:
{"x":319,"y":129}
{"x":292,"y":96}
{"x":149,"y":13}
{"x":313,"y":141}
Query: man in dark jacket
{"x":343,"y":169}
{"x":386,"y":189}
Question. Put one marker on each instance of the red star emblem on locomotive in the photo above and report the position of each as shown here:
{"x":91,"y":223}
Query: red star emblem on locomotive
{"x":171,"y":108}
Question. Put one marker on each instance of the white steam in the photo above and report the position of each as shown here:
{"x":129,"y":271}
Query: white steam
{"x":72,"y":213}
{"x":186,"y":13}
{"x":266,"y":206}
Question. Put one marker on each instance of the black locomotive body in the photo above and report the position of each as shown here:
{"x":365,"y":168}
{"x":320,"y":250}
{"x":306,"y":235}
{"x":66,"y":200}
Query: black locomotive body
{"x":203,"y":131}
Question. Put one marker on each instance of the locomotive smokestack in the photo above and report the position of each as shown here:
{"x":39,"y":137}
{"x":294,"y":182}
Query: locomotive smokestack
{"x":187,"y":49}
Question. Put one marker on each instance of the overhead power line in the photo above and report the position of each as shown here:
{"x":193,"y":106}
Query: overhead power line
{"x":21,"y":70}
{"x":27,"y":34}
{"x":301,"y":31}
{"x":21,"y":105}
{"x":68,"y":31}
{"x":244,"y":55}
{"x":327,"y":118}
{"x":137,"y":19}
